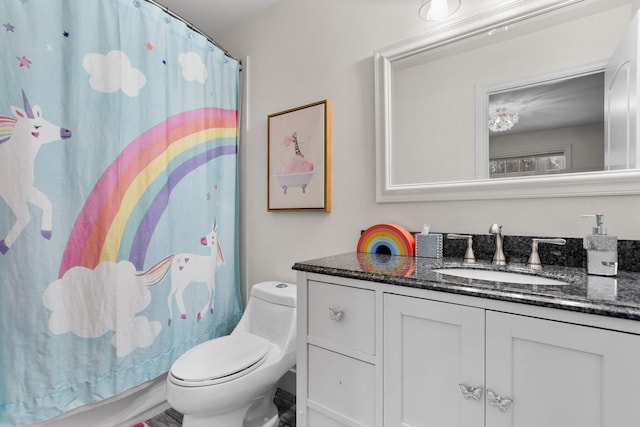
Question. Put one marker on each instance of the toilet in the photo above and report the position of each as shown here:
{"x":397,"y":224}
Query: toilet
{"x":230,"y":381}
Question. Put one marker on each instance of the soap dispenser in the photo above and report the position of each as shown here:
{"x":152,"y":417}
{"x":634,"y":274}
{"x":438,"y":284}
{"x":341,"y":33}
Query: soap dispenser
{"x":602,"y":250}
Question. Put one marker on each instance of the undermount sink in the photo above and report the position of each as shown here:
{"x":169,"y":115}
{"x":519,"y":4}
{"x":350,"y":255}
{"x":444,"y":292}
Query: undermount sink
{"x":499,"y":276}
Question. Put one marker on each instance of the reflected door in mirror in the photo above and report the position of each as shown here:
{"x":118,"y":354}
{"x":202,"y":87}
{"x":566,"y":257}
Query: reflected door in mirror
{"x":621,"y":111}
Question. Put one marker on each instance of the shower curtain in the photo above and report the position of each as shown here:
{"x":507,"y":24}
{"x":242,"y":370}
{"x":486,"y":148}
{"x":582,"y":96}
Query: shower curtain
{"x":118,"y":200}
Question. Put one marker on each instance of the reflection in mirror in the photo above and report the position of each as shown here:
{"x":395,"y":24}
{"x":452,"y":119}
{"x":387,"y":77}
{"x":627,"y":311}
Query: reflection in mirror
{"x":547,"y":128}
{"x":432,"y":125}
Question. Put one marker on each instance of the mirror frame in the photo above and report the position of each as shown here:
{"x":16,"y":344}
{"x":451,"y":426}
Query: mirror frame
{"x":602,"y":183}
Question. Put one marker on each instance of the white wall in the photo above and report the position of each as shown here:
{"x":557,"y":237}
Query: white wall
{"x":301,"y":51}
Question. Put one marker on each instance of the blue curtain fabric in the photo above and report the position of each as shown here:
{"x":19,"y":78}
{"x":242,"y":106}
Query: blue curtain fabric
{"x":118,"y":200}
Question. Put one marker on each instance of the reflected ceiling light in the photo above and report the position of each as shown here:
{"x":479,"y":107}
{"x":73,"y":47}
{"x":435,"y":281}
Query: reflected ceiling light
{"x":502,"y":120}
{"x":436,"y":10}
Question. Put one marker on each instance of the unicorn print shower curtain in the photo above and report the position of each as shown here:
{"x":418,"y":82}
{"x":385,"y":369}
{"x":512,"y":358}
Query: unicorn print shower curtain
{"x":118,"y":204}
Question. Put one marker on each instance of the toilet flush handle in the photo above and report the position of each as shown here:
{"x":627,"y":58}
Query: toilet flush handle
{"x":335,"y":314}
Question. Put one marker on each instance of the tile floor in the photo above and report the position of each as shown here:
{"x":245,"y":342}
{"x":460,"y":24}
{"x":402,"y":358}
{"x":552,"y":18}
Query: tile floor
{"x":286,"y":403}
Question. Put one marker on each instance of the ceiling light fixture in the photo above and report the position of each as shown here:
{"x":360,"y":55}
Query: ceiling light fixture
{"x":503,"y":120}
{"x":437,"y":10}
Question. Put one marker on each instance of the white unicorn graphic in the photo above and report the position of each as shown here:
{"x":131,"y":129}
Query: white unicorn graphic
{"x":20,"y":141}
{"x":187,"y":269}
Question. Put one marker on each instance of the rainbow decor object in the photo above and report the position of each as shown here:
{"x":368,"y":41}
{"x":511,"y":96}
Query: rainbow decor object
{"x":124,"y":207}
{"x":387,"y":239}
{"x":386,"y":264}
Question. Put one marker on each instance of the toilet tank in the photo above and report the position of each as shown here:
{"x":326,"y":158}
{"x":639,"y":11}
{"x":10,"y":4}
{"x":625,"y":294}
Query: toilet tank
{"x":280,"y":293}
{"x":271,"y":312}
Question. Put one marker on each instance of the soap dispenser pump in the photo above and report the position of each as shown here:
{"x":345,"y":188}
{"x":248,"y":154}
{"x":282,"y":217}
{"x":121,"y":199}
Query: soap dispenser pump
{"x":602,"y":249}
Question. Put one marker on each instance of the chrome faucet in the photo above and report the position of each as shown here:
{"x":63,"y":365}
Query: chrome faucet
{"x":498,"y":255}
{"x":534,"y":259}
{"x":469,"y":257}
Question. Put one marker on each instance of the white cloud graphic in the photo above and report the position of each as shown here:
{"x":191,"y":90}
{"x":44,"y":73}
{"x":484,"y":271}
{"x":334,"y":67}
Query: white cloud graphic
{"x":113,"y":72}
{"x":192,"y":67}
{"x":91,"y":303}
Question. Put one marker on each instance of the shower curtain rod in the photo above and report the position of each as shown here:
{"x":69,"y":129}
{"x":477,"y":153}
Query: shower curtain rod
{"x":194,"y":28}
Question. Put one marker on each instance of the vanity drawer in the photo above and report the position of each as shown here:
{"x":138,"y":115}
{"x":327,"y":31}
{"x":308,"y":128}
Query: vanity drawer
{"x":342,"y":316}
{"x":343,"y":385}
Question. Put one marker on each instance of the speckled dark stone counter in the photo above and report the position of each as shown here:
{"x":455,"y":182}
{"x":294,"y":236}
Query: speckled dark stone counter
{"x":616,"y":297}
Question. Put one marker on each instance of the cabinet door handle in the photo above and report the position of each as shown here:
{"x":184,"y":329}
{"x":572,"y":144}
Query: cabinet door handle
{"x":335,"y":314}
{"x":471,"y":392}
{"x":502,"y":403}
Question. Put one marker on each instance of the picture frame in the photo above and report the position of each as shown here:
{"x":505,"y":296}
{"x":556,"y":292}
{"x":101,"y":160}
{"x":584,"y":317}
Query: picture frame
{"x":299,"y":159}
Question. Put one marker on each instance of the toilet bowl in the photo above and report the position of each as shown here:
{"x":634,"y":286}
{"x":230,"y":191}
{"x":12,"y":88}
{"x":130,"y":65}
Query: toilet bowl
{"x":230,"y":381}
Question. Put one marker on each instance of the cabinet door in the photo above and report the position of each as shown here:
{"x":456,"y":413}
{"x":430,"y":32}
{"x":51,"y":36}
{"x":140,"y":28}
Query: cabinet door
{"x":430,"y":348}
{"x":561,"y":375}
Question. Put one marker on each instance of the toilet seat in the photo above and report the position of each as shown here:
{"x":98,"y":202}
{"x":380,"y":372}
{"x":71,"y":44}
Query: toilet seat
{"x":219,"y":360}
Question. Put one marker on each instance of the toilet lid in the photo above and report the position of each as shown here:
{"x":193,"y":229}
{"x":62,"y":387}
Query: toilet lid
{"x":220,"y":357}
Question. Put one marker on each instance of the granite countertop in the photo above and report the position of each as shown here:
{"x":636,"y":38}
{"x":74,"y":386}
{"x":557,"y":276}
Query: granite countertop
{"x":615,"y":297}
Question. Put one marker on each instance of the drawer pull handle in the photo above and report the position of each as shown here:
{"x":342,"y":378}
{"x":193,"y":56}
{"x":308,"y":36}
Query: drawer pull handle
{"x":502,"y":403}
{"x":470,"y":392}
{"x":335,"y":315}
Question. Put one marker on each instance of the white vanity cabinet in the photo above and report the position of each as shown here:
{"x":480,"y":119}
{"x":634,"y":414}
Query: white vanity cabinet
{"x":555,"y":373}
{"x":372,"y":354}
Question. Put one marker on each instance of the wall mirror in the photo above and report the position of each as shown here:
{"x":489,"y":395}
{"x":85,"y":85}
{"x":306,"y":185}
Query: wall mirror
{"x":436,"y":93}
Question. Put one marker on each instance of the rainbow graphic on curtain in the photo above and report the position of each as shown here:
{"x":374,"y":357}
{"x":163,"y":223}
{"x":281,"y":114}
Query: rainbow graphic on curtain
{"x":177,"y":146}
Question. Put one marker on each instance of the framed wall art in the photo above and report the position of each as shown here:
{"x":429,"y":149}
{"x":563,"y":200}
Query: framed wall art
{"x":299,"y":159}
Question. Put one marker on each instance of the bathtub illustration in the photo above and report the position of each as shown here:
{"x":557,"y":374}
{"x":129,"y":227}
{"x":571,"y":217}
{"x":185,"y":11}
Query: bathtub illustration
{"x":291,"y":180}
